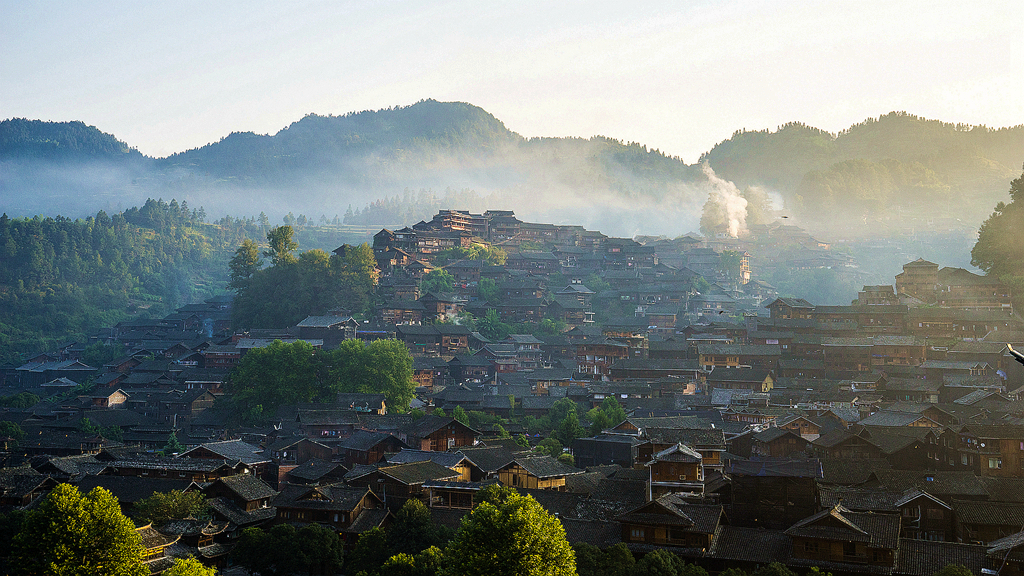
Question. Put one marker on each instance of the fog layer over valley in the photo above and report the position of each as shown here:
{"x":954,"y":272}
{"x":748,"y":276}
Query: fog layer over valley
{"x":912,"y":181}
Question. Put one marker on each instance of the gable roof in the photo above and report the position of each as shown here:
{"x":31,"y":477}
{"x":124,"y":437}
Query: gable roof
{"x":840,"y":523}
{"x":230,"y":450}
{"x":545,"y":466}
{"x":247,"y":486}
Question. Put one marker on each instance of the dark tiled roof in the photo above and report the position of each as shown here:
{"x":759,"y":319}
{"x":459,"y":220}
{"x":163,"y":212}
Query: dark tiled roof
{"x":315,"y":469}
{"x":230,"y":511}
{"x":890,"y":418}
{"x":233,"y":450}
{"x":418,"y":472}
{"x":989,"y":513}
{"x":545,"y":466}
{"x":851,"y":471}
{"x":248,"y":487}
{"x":446,"y":459}
{"x":840,"y":523}
{"x":924,"y":558}
{"x":750,"y":545}
{"x":364,"y":440}
{"x":859,"y":499}
{"x":450,"y":517}
{"x":489,"y":459}
{"x":368,"y":519}
{"x":330,"y":497}
{"x":940,"y":484}
{"x":810,"y":468}
{"x":595,"y":532}
{"x":151,"y":538}
{"x":1004,"y":489}
{"x":131,"y":489}
{"x":671,"y":510}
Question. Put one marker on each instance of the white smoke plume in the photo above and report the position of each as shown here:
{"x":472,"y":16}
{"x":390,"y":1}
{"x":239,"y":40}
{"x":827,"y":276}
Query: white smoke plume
{"x":728,"y":198}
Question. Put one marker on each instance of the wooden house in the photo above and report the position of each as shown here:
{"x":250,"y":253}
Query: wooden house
{"x":925,"y":517}
{"x":366,"y":447}
{"x":401,"y":481}
{"x":678,"y":468}
{"x":841,"y":537}
{"x":672,"y":522}
{"x":335,"y":505}
{"x":540,"y":472}
{"x":440,"y":433}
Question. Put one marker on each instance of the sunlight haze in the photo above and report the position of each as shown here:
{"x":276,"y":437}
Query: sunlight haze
{"x":675,"y":76}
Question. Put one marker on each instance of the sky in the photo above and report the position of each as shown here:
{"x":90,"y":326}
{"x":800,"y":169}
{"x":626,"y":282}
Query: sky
{"x":679,"y":76}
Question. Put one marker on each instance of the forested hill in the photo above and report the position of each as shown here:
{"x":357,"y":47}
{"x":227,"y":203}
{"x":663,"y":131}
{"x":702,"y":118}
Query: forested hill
{"x":890,"y":167}
{"x":898,"y":161}
{"x":22,"y":139}
{"x":424,"y":132}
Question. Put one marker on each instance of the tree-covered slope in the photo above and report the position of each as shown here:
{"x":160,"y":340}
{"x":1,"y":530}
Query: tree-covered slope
{"x":895,"y":162}
{"x":315,"y":146}
{"x":1001,"y":242}
{"x":60,"y":141}
{"x":884,"y":168}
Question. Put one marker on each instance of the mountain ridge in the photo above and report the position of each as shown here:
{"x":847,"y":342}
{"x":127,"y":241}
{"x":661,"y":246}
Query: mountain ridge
{"x":895,"y":162}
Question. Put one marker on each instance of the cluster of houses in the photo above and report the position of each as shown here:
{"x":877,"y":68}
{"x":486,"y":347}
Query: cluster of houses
{"x":883,"y":437}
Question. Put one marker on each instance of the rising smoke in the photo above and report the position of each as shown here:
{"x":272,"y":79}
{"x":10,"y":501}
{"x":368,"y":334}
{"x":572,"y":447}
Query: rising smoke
{"x":726,"y":207}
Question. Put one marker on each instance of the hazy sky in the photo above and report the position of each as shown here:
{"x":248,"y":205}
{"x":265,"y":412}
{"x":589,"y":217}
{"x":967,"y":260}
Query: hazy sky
{"x":679,"y":75}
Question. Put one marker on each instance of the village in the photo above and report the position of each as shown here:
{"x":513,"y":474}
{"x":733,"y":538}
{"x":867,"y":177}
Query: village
{"x":881,"y":437}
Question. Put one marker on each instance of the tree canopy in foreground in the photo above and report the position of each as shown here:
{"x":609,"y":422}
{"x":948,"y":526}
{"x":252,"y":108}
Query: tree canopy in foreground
{"x":510,"y":535}
{"x":72,"y":534}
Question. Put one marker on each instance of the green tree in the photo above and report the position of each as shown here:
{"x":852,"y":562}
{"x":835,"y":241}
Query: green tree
{"x":99,"y":353}
{"x":276,"y":374}
{"x":487,"y":290}
{"x":173,"y":446}
{"x":460,"y":414}
{"x":370,"y":553}
{"x":189,"y":567}
{"x":164,"y":506}
{"x":731,"y":262}
{"x":390,"y":373}
{"x":509,"y":535}
{"x":773,"y":569}
{"x":281,"y":245}
{"x":1000,"y":237}
{"x":521,"y":440}
{"x":283,"y":550}
{"x":11,"y":430}
{"x":10,"y":525}
{"x":589,"y":559}
{"x":21,"y":400}
{"x":244,"y":264}
{"x":954,"y":570}
{"x":492,"y":327}
{"x":437,"y":281}
{"x":414,"y":531}
{"x":318,"y":550}
{"x":74,"y":535}
{"x":660,"y":562}
{"x":427,"y":563}
{"x":550,"y":446}
{"x":570,"y":429}
{"x":609,"y":414}
{"x":618,"y":560}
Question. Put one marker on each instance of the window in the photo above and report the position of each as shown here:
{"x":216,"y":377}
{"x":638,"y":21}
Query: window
{"x":811,"y":547}
{"x":995,"y":463}
{"x":636,"y":534}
